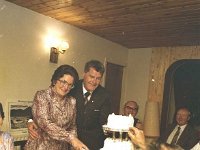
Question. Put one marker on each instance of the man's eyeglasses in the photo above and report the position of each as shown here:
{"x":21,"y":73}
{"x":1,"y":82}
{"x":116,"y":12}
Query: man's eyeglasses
{"x":65,"y":83}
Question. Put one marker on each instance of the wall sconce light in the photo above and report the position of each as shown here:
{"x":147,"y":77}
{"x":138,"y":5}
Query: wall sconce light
{"x":55,"y":50}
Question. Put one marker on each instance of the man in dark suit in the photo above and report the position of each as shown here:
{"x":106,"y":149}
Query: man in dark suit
{"x":181,"y":133}
{"x":93,"y":112}
{"x":93,"y":108}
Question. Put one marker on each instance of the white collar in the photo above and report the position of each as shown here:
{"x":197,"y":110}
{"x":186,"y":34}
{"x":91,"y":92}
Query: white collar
{"x":84,"y":90}
{"x":182,"y":127}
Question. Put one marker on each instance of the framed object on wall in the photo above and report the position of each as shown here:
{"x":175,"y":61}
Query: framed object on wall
{"x":19,"y":113}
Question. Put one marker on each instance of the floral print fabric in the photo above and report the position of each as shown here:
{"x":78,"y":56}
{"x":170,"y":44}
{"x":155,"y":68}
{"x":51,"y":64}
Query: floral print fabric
{"x":55,"y":119}
{"x":7,"y":141}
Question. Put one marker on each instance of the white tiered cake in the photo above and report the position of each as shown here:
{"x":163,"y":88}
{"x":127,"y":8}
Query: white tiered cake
{"x":117,"y":127}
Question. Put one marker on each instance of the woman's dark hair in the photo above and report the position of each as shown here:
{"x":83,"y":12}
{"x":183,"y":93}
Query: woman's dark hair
{"x":97,"y":65}
{"x":1,"y":111}
{"x":61,"y":71}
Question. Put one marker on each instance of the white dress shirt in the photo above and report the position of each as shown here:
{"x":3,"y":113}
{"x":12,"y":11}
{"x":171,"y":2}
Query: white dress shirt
{"x":85,"y":91}
{"x":197,"y":146}
{"x":169,"y":140}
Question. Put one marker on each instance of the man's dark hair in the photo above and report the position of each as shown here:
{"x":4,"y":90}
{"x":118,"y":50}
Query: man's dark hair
{"x":97,"y":65}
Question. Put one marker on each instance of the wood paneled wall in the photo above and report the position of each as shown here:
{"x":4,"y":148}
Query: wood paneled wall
{"x":161,"y":59}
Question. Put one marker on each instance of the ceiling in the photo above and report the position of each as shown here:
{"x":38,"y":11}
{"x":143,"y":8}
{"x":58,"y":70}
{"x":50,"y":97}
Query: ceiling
{"x":130,"y":23}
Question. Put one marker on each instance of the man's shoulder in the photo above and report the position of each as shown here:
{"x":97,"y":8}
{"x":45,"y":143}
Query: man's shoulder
{"x":101,"y":90}
{"x":191,"y":128}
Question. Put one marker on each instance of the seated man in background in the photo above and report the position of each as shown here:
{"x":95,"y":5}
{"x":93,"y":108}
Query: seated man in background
{"x":181,"y":133}
{"x":131,"y":107}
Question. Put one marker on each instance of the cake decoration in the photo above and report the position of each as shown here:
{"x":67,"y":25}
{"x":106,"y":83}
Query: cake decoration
{"x":116,"y":131}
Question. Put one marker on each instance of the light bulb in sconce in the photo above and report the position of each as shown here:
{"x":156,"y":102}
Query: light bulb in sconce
{"x":63,"y":47}
{"x":55,"y":50}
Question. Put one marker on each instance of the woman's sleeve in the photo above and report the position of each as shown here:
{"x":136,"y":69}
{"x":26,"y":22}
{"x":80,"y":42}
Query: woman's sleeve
{"x":9,"y":141}
{"x":73,"y":128}
{"x":41,"y":114}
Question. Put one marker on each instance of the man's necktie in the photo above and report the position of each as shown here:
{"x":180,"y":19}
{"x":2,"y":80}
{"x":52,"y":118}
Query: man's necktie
{"x":174,"y":140}
{"x":86,"y":95}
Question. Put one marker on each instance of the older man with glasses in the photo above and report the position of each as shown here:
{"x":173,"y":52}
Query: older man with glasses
{"x":131,"y":108}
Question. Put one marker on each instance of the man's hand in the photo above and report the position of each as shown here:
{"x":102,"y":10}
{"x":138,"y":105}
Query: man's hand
{"x":78,"y":145}
{"x":32,"y":130}
{"x":137,"y":137}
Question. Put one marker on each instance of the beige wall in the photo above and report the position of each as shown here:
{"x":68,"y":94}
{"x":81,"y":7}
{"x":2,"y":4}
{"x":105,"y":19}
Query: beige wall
{"x":137,"y":75}
{"x":24,"y":59}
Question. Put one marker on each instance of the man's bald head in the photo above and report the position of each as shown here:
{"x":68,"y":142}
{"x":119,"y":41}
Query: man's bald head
{"x":131,"y":107}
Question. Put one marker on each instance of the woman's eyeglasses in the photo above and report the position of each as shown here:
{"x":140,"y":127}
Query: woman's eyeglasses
{"x":65,"y":83}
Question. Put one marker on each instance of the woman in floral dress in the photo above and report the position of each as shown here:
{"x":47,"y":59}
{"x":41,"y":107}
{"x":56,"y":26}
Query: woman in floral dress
{"x":54,"y":112}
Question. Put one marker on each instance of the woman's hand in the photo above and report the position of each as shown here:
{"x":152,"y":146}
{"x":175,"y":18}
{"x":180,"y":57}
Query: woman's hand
{"x":78,"y":145}
{"x":32,"y":130}
{"x":137,"y":137}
